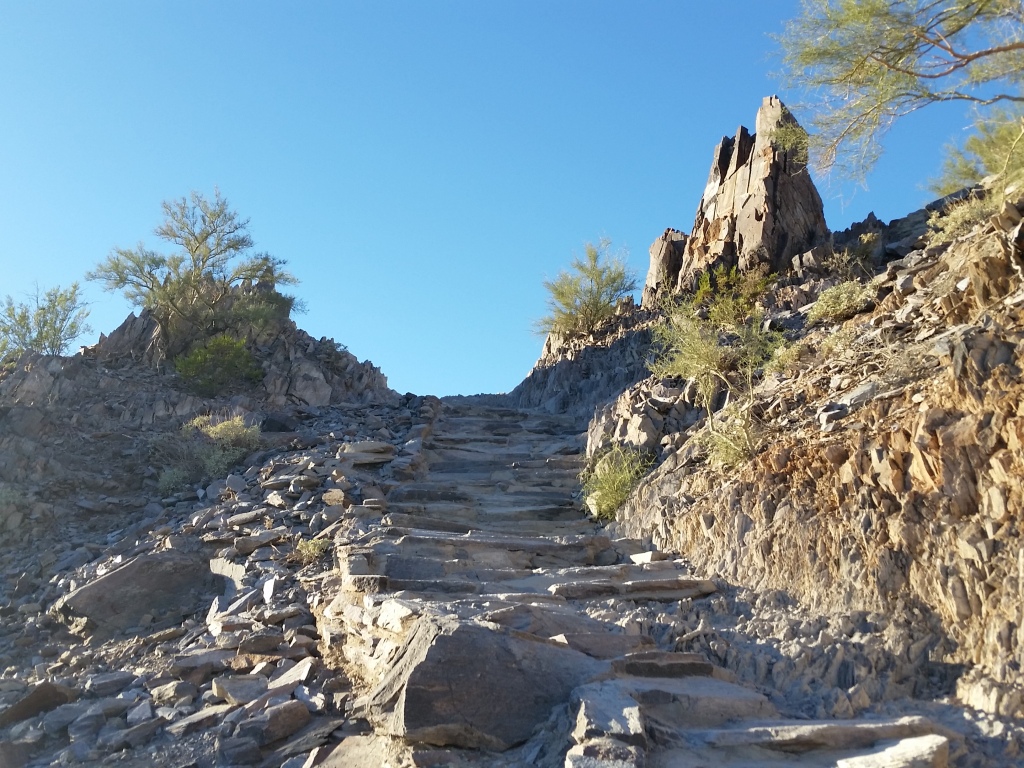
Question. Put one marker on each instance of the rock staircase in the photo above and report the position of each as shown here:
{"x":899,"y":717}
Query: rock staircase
{"x":481,"y":621}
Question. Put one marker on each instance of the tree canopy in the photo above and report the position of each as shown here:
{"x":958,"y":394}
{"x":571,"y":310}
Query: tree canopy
{"x":867,"y":63}
{"x":190,"y":292}
{"x":47,"y":323}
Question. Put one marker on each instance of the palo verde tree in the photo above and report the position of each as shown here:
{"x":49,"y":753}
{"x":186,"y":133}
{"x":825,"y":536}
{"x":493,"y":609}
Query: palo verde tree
{"x":867,"y":63}
{"x":191,"y":292}
{"x":586,"y":295}
{"x":47,"y":323}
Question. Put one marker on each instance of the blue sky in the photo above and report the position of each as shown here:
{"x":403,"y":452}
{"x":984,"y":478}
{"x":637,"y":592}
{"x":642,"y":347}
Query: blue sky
{"x":422,"y":166}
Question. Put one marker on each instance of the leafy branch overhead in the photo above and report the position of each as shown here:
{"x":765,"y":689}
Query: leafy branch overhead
{"x":190,"y":292}
{"x":867,"y":63}
{"x":586,"y":295}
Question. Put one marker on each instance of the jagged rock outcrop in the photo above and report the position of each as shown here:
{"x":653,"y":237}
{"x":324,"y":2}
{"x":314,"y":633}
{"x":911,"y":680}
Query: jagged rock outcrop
{"x":760,"y":207}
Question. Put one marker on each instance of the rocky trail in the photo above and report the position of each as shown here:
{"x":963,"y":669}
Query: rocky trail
{"x":471,"y":616}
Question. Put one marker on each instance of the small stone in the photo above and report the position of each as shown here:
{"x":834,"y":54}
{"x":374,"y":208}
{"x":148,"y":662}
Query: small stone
{"x":239,"y":689}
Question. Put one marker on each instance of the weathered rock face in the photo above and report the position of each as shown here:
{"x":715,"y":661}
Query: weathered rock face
{"x":576,"y":376}
{"x":666,"y":260}
{"x":759,"y":209}
{"x":890,"y":475}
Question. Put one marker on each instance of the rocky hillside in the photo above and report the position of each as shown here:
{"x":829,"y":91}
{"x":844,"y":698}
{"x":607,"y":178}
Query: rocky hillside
{"x":403,"y":581}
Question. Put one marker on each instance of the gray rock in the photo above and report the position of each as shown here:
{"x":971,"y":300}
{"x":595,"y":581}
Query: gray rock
{"x":167,"y":581}
{"x":474,"y":685}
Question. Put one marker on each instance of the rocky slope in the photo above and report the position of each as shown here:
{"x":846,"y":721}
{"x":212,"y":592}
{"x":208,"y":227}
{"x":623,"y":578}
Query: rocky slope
{"x":406,"y":581}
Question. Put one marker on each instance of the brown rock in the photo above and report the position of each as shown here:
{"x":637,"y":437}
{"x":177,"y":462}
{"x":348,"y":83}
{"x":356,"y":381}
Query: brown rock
{"x":42,"y":698}
{"x":759,"y":208}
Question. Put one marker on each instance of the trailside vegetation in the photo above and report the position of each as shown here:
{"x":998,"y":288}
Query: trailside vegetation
{"x":585,"y":295}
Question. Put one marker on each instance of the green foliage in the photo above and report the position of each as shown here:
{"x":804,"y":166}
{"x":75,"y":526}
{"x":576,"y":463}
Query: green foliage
{"x":841,"y":302}
{"x":204,"y":448}
{"x":718,"y":340}
{"x":47,"y":324}
{"x":611,"y":477}
{"x":786,"y":358}
{"x":837,"y":343}
{"x":734,"y":437}
{"x":218,"y":364}
{"x":960,"y":217}
{"x":995,"y":149}
{"x":191,"y":292}
{"x":308,"y":551}
{"x":866,"y":63}
{"x":583,"y":298}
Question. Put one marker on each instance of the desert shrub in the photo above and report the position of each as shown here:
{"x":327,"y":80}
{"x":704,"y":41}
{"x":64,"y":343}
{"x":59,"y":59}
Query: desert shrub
{"x":47,"y":323}
{"x":611,"y":477}
{"x":960,"y":217}
{"x":837,"y":343}
{"x":211,"y":284}
{"x":840,"y":302}
{"x":854,"y":262}
{"x":308,"y":551}
{"x":718,"y":340}
{"x":584,"y":297}
{"x":217,"y":365}
{"x":734,"y":437}
{"x":204,"y":448}
{"x":786,"y":358}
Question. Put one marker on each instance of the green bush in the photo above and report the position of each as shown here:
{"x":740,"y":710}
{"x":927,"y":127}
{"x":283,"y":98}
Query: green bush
{"x":786,"y":358}
{"x":203,"y":449}
{"x":217,"y":365}
{"x":47,"y":324}
{"x":584,"y":298}
{"x":718,"y":340}
{"x":308,"y":551}
{"x":841,"y":302}
{"x":611,"y":477}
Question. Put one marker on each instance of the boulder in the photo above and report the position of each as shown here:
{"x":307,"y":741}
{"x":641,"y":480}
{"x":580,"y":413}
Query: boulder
{"x":169,"y":581}
{"x":666,"y":260}
{"x":474,"y":684}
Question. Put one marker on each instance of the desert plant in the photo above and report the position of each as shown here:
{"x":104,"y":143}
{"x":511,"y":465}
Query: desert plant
{"x":611,"y":476}
{"x":837,"y":343}
{"x":994,"y":151}
{"x":47,"y":324}
{"x":961,"y":216}
{"x":203,"y":448}
{"x":214,"y":366}
{"x":308,"y":551}
{"x":869,"y":62}
{"x":786,"y":358}
{"x":719,"y":340}
{"x":584,"y":297}
{"x":734,"y":437}
{"x":841,"y":302}
{"x":192,"y":293}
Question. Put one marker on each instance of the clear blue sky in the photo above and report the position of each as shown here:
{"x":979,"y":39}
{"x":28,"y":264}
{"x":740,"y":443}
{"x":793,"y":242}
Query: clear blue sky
{"x":422,"y":166}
